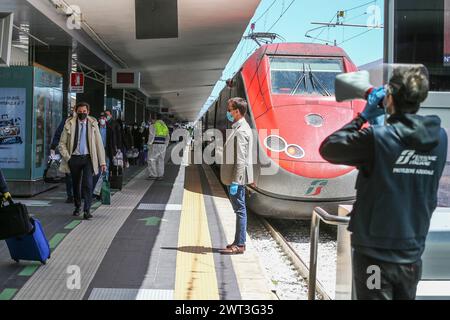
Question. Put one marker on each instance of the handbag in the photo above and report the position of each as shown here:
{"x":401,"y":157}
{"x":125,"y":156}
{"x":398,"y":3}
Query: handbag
{"x":51,"y":172}
{"x":98,"y":187}
{"x":14,"y":220}
{"x":118,"y":159}
{"x":106,"y":191}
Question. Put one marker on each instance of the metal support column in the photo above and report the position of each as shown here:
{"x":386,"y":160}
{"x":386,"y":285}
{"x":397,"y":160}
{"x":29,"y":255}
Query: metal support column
{"x":105,"y":92}
{"x":123,"y":106}
{"x":135,"y":110}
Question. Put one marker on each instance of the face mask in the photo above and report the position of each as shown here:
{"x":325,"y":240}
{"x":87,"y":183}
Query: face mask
{"x":102,"y":122}
{"x":230,"y":116}
{"x":108,"y":118}
{"x":82,"y":116}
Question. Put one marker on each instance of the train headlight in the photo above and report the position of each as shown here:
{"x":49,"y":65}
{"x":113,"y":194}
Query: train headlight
{"x":275,"y":143}
{"x":314,"y":120}
{"x":295,"y":151}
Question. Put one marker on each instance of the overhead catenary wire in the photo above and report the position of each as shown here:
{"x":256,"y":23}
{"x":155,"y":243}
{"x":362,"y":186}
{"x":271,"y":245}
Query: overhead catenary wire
{"x":360,"y":6}
{"x":355,"y":36}
{"x":282,"y":14}
{"x":323,"y":29}
{"x":265,"y":12}
{"x":339,"y":23}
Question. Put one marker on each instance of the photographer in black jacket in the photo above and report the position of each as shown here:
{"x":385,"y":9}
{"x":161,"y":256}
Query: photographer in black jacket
{"x":399,"y":165}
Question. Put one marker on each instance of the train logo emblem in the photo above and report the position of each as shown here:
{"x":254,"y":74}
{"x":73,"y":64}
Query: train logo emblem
{"x":316,"y":187}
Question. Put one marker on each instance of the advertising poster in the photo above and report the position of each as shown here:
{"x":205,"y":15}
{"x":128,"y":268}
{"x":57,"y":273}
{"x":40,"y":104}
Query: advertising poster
{"x":12,"y":128}
{"x":47,"y":114}
{"x":42,"y":103}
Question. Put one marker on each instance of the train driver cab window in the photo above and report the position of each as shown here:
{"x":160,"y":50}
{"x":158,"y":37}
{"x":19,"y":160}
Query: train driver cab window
{"x":304,"y":76}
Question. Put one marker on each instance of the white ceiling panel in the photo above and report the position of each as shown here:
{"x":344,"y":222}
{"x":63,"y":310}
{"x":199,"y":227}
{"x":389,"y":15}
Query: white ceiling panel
{"x":190,"y":65}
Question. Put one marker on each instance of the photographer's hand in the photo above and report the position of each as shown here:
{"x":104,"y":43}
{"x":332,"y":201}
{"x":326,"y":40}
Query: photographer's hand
{"x":372,"y":109}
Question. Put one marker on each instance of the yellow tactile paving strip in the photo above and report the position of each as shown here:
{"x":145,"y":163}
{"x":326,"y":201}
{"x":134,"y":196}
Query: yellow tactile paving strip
{"x":195,"y":277}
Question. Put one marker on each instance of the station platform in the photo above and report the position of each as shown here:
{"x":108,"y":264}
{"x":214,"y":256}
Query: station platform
{"x":158,"y":240}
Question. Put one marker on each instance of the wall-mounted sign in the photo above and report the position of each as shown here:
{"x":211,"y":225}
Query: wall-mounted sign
{"x":126,"y":79}
{"x":77,"y":82}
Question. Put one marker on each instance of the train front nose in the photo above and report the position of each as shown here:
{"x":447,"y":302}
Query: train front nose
{"x":301,"y":130}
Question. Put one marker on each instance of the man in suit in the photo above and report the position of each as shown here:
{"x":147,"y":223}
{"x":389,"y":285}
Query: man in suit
{"x":237,"y":171}
{"x":116,"y":130}
{"x":82,"y":150}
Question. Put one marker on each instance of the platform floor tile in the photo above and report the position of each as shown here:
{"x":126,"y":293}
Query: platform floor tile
{"x":130,"y":294}
{"x":76,"y":260}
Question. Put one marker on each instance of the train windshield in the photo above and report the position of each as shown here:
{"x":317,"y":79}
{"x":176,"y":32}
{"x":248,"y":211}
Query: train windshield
{"x":305,"y":76}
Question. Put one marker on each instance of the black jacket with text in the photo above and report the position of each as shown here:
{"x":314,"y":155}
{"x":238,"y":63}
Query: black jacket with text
{"x":399,"y":165}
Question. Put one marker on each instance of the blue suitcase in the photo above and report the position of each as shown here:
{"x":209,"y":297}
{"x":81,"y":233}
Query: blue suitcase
{"x":32,"y":247}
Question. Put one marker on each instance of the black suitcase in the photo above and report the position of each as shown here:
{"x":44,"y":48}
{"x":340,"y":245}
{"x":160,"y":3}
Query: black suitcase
{"x":14,"y":220}
{"x":116,"y":177}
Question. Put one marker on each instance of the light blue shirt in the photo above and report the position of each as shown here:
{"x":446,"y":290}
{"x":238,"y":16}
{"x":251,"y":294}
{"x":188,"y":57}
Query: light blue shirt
{"x":82,"y":143}
{"x":103,"y":134}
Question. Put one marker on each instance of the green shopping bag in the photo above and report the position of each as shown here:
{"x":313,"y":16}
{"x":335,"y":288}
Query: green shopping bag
{"x":106,"y":192}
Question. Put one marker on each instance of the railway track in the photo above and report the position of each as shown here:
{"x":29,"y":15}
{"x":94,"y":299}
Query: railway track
{"x":299,"y":264}
{"x":284,"y":250}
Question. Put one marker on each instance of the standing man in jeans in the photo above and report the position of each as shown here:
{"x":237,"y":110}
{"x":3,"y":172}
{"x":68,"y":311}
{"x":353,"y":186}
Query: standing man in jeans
{"x":82,"y":150}
{"x":236,"y":171}
{"x":399,"y":165}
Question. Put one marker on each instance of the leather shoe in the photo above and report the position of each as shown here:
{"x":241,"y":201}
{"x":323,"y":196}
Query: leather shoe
{"x":87,"y":215}
{"x":233,"y":244}
{"x":76,"y":212}
{"x":234,"y":249}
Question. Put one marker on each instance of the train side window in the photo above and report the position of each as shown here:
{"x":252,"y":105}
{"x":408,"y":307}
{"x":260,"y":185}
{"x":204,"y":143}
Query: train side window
{"x":304,"y":76}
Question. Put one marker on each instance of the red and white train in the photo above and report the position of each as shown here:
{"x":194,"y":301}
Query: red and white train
{"x":290,"y":91}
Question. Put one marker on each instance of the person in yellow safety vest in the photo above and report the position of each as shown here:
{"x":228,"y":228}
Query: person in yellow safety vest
{"x":158,"y":140}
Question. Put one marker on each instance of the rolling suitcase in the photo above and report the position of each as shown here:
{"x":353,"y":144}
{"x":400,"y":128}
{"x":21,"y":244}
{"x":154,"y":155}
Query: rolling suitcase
{"x":14,"y":220}
{"x":116,"y":177}
{"x":32,"y":247}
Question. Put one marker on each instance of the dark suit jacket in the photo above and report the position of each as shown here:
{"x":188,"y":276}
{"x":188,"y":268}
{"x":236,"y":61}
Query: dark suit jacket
{"x":110,"y":146}
{"x":117,"y":132}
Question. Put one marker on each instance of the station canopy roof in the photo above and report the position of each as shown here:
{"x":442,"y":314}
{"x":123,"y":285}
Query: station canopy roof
{"x":182,"y":70}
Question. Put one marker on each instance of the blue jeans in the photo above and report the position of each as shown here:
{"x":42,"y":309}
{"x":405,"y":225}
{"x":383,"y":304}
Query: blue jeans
{"x":238,"y":203}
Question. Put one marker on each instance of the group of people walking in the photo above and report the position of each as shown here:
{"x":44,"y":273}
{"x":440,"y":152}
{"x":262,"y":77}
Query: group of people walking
{"x":88,"y":148}
{"x":398,"y":202}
